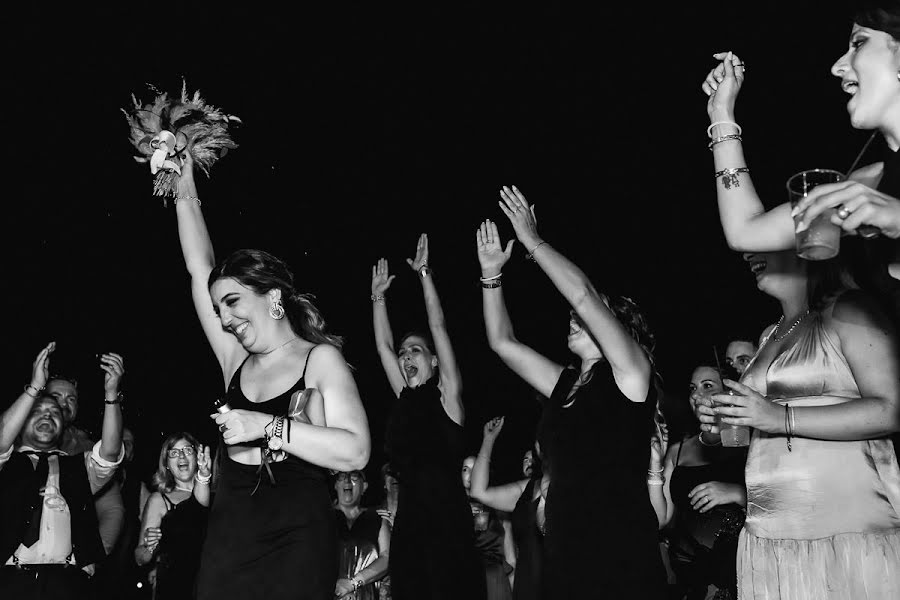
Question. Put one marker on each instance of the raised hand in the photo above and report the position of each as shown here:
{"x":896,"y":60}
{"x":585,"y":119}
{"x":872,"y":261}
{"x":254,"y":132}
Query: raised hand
{"x":857,"y":206}
{"x":203,"y":461}
{"x":493,"y":427}
{"x":114,"y":366}
{"x":40,"y":370}
{"x":491,"y":255}
{"x":421,"y":259}
{"x":521,"y":215}
{"x":722,"y":85}
{"x":381,"y":279}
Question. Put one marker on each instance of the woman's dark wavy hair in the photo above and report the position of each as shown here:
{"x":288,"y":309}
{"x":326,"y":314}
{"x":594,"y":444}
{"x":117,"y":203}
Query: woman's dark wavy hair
{"x":630,"y":315}
{"x":429,"y":342}
{"x":878,"y":14}
{"x":263,"y":272}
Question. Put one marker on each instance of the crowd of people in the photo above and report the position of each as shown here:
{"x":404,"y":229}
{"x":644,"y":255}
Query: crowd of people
{"x":611,"y":501}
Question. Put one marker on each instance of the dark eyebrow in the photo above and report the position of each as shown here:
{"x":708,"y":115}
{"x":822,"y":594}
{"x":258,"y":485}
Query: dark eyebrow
{"x":708,"y":380}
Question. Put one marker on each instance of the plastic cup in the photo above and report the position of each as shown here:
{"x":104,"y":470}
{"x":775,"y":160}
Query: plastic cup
{"x":822,"y":239}
{"x":733,"y":436}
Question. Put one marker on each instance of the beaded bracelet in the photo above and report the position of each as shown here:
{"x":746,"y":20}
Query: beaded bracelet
{"x":195,"y":198}
{"x":730,"y":176}
{"x":377,"y":297}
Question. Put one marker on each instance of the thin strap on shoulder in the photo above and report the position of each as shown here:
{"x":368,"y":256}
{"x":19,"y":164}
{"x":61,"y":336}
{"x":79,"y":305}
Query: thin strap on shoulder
{"x":237,"y":373}
{"x":678,"y":454}
{"x":306,"y":365}
{"x":169,"y":504}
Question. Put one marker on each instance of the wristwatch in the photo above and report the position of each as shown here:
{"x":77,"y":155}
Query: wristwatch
{"x":119,"y":397}
{"x":276,"y":442}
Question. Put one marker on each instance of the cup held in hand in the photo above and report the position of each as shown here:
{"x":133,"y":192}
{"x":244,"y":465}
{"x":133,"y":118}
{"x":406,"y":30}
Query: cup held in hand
{"x":822,"y":239}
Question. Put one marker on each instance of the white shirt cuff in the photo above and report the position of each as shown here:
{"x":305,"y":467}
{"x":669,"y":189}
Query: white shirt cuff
{"x":102,"y":462}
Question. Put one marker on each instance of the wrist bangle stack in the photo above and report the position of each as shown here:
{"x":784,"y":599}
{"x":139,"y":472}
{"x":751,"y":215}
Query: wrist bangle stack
{"x":492,"y":282}
{"x":377,"y":298}
{"x":789,"y":424}
{"x":201,"y":479}
{"x":655,"y":477}
{"x":717,"y":123}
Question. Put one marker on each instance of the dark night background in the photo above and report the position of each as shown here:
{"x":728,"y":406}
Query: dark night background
{"x":362,"y":130}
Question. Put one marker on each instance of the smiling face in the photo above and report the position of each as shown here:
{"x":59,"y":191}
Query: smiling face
{"x":579,"y":339}
{"x":528,"y":463}
{"x":778,"y":274}
{"x":705,"y":381}
{"x":350,"y":488}
{"x":738,"y":355}
{"x":183,"y":465}
{"x":244,"y":313}
{"x":868,"y":72}
{"x":44,"y":426}
{"x":467,"y":466}
{"x":417,"y":363}
{"x":66,"y":394}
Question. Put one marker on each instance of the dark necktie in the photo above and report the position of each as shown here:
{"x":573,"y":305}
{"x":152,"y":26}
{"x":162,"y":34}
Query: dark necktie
{"x":36,"y":501}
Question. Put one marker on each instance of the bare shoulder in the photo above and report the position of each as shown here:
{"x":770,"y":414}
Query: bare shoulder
{"x":325,"y":356}
{"x":857,"y":308}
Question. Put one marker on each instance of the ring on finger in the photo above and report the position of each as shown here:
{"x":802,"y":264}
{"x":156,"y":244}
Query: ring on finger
{"x":223,"y":427}
{"x":843,"y":213}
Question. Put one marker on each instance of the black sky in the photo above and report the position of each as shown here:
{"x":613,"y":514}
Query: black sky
{"x":362,"y":130}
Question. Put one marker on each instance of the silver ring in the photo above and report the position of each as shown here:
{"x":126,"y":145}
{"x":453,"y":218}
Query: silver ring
{"x":741,"y":65}
{"x":843,"y":213}
{"x":223,"y":427}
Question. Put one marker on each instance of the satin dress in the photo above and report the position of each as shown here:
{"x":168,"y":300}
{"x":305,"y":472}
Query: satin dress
{"x":823,"y":520}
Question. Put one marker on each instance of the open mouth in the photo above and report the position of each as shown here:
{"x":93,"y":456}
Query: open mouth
{"x":850,"y":87}
{"x":757,"y":266}
{"x":574,"y":328}
{"x":240,"y":329}
{"x":45,"y":425}
{"x":410,"y":371}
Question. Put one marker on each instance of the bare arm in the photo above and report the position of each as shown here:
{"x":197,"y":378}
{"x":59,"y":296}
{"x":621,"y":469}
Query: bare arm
{"x":343,"y":444}
{"x":540,"y":372}
{"x":630,"y":366}
{"x":111,"y":437}
{"x":660,"y":495}
{"x":384,"y":336}
{"x":502,"y":497}
{"x":451,"y":381}
{"x":509,"y":548}
{"x":13,"y":418}
{"x":199,"y":259}
{"x":150,"y":534}
{"x":201,"y":490}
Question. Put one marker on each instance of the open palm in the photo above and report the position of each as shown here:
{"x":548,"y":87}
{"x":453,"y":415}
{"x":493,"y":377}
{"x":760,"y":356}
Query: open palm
{"x":491,"y":254}
{"x":381,"y":277}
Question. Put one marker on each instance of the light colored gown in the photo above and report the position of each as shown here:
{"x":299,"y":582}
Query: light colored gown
{"x":823,"y":521}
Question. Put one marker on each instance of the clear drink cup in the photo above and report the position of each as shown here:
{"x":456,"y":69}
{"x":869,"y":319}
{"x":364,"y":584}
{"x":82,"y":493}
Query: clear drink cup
{"x":822,"y":239}
{"x":733,"y":436}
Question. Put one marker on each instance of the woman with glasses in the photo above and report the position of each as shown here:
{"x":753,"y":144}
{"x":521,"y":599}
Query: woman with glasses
{"x":174,"y":521}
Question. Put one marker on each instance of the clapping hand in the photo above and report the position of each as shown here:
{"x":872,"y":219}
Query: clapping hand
{"x":40,"y":370}
{"x":722,"y":85}
{"x":114,"y":365}
{"x":491,"y":255}
{"x":521,"y":215}
{"x":421,"y":259}
{"x":381,"y":279}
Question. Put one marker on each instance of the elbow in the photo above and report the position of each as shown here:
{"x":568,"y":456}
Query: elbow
{"x":360,"y":457}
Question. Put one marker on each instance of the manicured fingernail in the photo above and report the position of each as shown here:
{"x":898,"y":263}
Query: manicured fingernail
{"x":801,"y":227}
{"x":795,"y":211}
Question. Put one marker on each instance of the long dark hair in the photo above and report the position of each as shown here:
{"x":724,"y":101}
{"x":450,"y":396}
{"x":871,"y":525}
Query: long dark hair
{"x":263,"y":272}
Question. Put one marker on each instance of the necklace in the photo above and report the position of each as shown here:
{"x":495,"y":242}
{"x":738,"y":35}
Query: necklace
{"x":282,"y":346}
{"x":777,"y":337}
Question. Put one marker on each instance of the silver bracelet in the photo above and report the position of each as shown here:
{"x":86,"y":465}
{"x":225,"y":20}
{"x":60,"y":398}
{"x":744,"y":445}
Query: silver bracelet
{"x":730,"y":176}
{"x":195,"y":198}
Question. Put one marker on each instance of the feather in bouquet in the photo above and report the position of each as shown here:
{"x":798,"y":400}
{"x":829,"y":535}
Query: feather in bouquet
{"x":162,"y":130}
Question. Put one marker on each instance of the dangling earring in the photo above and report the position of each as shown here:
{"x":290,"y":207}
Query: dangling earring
{"x":277,"y":311}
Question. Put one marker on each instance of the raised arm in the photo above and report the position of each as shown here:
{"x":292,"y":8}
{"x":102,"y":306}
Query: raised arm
{"x":747,"y":225}
{"x":451,"y":381}
{"x":343,"y":444}
{"x":111,"y":436}
{"x":384,"y":337}
{"x":203,"y":476}
{"x":199,"y":259}
{"x":502,"y":497}
{"x":539,"y":371}
{"x":13,"y":418}
{"x":630,"y":365}
{"x":870,"y":346}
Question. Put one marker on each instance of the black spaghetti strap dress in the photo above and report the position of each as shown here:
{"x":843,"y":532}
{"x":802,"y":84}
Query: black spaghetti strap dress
{"x":433,"y":551}
{"x":278,"y":542}
{"x":529,"y":546}
{"x":183,"y":529}
{"x":601,"y":536}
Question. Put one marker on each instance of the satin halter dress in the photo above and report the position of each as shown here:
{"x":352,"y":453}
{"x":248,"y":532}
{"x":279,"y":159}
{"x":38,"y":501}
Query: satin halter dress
{"x":823,"y":520}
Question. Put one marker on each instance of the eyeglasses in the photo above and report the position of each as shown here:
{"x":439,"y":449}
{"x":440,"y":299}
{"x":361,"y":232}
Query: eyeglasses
{"x":353,"y":477}
{"x":185,"y":452}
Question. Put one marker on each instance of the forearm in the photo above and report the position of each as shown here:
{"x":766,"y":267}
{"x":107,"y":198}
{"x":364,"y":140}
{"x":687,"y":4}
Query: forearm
{"x":13,"y":419}
{"x":858,"y":419}
{"x":433,"y":308}
{"x":201,"y":492}
{"x":497,"y":323}
{"x":196,"y":244}
{"x":568,"y":278}
{"x":329,"y":447}
{"x":482,"y":469}
{"x":375,"y":571}
{"x":660,"y":504}
{"x":143,"y":554}
{"x":111,"y":440}
{"x":384,"y":336}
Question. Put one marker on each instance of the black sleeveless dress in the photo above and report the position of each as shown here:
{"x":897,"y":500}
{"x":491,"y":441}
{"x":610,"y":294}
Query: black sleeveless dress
{"x":703,"y":546}
{"x":489,"y":538}
{"x":279,"y":542}
{"x":358,"y":547}
{"x":601,"y":536}
{"x":529,"y":545}
{"x":183,"y":529}
{"x":432,"y":545}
